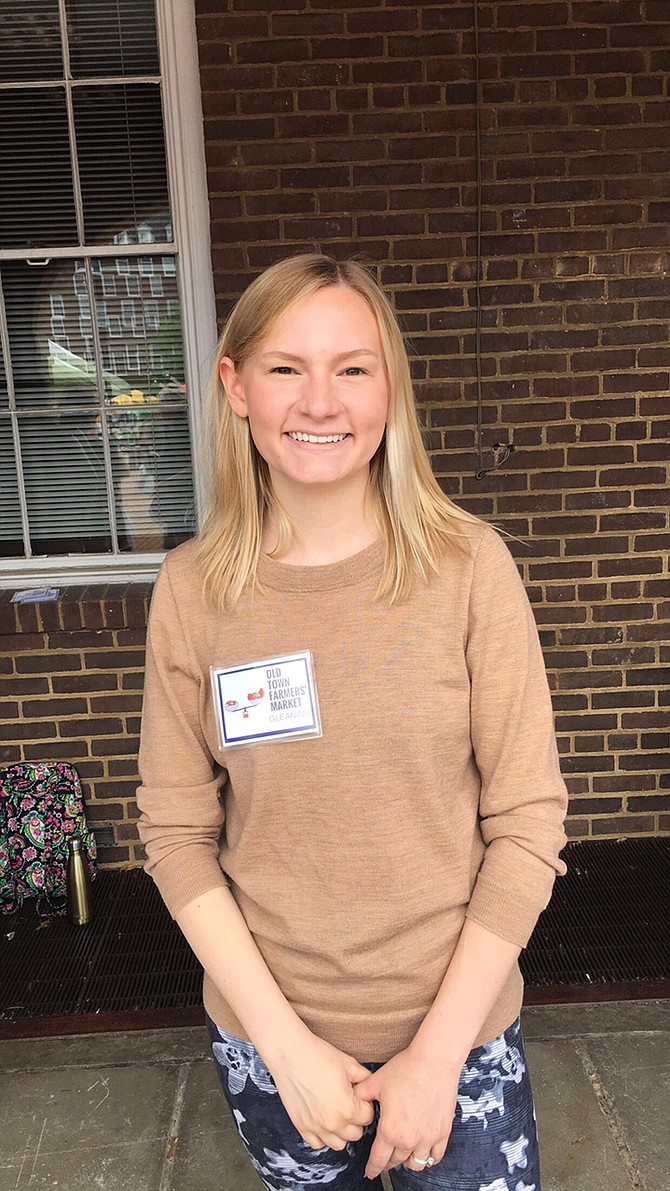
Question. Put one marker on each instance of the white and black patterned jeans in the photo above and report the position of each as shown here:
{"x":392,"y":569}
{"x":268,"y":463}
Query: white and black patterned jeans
{"x":492,"y":1147}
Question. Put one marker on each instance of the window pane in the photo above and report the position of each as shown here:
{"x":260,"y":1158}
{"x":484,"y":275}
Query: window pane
{"x":29,"y":40}
{"x":121,"y":155}
{"x":112,"y":39}
{"x":152,"y":476}
{"x":66,"y":489}
{"x":140,"y":335}
{"x":4,"y":396}
{"x":11,"y":535}
{"x":36,"y":196}
{"x":52,"y":363}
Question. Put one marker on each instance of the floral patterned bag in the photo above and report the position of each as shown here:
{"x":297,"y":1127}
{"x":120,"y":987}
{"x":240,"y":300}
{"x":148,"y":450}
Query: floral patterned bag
{"x":41,"y":807}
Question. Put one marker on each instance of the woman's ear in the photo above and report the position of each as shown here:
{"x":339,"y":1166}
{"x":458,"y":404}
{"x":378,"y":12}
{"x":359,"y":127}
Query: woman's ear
{"x":233,"y":386}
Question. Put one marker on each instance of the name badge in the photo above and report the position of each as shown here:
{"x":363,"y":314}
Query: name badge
{"x":271,"y":700}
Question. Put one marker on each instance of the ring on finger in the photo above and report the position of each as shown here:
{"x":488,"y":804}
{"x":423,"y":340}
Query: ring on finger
{"x":429,"y":1161}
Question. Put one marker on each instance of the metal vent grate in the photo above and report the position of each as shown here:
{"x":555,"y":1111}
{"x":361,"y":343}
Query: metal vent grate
{"x":131,"y":957}
{"x":609,"y":917}
{"x":608,"y":923}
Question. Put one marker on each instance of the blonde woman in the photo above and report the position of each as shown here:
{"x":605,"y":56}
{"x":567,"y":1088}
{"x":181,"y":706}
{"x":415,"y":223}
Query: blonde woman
{"x":351,"y":797}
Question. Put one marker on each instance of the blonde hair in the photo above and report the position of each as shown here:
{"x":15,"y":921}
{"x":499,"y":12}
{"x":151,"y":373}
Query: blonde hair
{"x":416,"y":519}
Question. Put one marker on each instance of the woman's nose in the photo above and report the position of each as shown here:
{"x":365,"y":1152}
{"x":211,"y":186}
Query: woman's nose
{"x":319,"y":398}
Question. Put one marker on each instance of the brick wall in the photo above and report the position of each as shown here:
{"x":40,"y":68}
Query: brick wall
{"x":350,"y":127}
{"x":71,"y":676}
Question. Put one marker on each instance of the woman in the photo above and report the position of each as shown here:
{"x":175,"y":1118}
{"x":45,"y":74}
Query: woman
{"x":357,"y":884}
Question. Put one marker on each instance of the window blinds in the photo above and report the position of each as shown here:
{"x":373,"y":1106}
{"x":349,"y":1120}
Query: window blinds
{"x":94,"y":429}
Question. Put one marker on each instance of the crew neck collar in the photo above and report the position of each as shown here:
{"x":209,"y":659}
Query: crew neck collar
{"x":346,"y":573}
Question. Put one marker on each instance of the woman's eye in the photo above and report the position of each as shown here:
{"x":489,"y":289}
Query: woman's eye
{"x":354,"y":371}
{"x":282,"y":369}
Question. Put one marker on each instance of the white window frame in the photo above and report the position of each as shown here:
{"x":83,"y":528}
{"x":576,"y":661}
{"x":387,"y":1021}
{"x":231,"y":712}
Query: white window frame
{"x":187,"y":179}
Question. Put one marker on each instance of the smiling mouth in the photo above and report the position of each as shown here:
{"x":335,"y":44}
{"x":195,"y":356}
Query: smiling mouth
{"x":298,"y":436}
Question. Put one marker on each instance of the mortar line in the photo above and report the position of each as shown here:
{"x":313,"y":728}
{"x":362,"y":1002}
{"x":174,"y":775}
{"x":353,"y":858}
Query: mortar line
{"x":608,"y":1109}
{"x":174,"y":1127}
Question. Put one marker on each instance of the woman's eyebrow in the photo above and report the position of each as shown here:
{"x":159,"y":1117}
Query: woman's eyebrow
{"x":356,"y":351}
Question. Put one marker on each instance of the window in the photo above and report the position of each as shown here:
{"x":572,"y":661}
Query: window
{"x":128,"y":313}
{"x":152,"y":316}
{"x":83,"y":422}
{"x":132,"y":361}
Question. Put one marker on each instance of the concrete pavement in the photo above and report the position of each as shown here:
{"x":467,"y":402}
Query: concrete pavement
{"x":143,"y":1111}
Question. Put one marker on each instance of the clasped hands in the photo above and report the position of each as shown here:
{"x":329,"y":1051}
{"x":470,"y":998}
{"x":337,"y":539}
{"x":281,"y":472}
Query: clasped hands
{"x":329,"y":1097}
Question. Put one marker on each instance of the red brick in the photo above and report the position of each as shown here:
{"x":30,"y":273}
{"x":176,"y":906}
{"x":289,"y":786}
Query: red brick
{"x":544,"y":117}
{"x":571,"y":38}
{"x":22,"y":642}
{"x":275,"y":50}
{"x":633,"y":520}
{"x":341,"y":48}
{"x":31,"y":730}
{"x":34,"y":709}
{"x":114,"y":659}
{"x":73,"y":751}
{"x":47,"y":663}
{"x":610,"y":87}
{"x":123,"y":768}
{"x":314,"y":24}
{"x":320,"y":125}
{"x":603,"y":455}
{"x":116,"y":789}
{"x":112,"y":856}
{"x":229,"y":25}
{"x":623,"y":825}
{"x":18,"y":685}
{"x":114,"y":746}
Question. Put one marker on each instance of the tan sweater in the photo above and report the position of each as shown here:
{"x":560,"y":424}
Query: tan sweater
{"x":434,"y":791}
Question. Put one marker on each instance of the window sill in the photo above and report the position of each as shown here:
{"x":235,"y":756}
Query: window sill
{"x":79,"y":606}
{"x":78,"y":570}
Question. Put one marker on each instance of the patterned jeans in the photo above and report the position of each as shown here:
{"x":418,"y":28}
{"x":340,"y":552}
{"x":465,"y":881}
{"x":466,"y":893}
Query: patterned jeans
{"x":492,"y":1147}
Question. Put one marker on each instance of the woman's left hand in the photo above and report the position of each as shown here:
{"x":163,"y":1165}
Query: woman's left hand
{"x":417,"y":1101}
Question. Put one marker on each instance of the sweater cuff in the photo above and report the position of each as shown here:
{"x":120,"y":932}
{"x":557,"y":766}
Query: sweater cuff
{"x":185,"y":875}
{"x":507,"y":913}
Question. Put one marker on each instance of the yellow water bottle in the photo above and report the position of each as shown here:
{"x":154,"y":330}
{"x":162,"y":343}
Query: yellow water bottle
{"x":78,"y":885}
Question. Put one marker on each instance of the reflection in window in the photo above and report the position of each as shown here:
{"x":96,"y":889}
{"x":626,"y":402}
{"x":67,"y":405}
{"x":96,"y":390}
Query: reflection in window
{"x":152,"y":316}
{"x":96,"y":443}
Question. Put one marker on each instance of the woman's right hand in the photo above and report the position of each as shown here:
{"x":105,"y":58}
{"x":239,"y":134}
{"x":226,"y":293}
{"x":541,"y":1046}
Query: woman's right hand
{"x":317,"y":1085}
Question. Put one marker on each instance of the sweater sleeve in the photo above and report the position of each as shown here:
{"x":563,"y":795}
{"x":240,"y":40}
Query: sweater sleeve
{"x":523,"y":797}
{"x":181,"y":813}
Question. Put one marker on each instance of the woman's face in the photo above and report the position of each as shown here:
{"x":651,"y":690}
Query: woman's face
{"x":315,"y":392}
